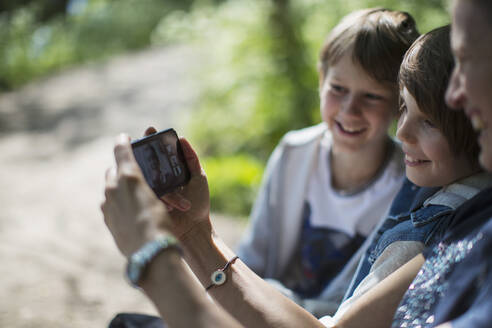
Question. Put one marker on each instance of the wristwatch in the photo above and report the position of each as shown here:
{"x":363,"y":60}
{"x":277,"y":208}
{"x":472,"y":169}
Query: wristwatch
{"x":138,"y":261}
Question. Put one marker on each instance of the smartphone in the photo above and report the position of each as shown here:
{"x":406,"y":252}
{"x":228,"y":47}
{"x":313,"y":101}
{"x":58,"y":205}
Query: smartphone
{"x":161,"y":159}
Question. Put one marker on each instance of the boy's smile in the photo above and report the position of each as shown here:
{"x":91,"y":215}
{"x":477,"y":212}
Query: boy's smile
{"x":349,"y":130}
{"x":410,"y":161}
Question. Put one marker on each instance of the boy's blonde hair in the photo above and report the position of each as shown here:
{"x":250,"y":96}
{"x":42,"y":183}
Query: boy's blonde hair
{"x":377,"y":39}
{"x":425,"y":73}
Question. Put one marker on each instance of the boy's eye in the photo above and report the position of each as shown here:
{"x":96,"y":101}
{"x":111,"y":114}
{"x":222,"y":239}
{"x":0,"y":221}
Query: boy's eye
{"x":337,"y":88}
{"x":429,"y":124}
{"x":372,"y":96}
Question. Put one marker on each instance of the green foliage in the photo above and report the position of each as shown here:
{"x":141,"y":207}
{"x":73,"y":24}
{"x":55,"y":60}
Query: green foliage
{"x":259,"y":78}
{"x":260,"y":81}
{"x":95,"y":29}
{"x":233,"y":183}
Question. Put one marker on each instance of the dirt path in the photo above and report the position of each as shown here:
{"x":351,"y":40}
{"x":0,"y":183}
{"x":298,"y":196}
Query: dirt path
{"x":60,"y":267}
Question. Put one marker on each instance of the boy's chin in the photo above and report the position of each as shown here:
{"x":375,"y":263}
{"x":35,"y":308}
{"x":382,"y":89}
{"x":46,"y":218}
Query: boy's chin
{"x":422,"y":181}
{"x":415,"y":181}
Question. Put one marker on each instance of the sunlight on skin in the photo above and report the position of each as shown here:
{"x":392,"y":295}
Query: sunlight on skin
{"x":445,"y":325}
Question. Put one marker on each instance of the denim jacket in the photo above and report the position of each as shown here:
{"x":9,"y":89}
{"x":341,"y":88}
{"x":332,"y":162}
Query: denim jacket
{"x":418,"y":215}
{"x":422,"y":225}
{"x":461,"y":286}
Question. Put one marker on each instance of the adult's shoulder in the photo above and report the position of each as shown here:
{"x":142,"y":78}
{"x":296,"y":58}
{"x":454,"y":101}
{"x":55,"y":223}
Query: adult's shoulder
{"x":472,"y":214}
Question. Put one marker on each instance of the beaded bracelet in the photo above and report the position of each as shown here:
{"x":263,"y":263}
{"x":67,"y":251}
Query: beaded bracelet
{"x":219,"y":276}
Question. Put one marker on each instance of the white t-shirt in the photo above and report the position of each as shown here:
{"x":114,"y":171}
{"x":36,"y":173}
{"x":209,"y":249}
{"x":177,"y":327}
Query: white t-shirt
{"x":353,"y":214}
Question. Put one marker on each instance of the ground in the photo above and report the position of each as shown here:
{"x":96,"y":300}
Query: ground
{"x":60,"y":267}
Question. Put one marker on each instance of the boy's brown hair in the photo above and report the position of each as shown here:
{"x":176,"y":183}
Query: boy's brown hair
{"x":377,"y":39}
{"x":425,"y":73}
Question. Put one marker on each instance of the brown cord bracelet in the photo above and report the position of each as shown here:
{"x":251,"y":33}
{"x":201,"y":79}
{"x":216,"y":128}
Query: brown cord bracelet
{"x":219,"y":276}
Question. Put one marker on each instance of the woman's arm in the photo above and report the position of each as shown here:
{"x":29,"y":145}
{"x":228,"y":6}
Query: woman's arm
{"x":179,"y":298}
{"x":377,"y":307}
{"x":135,"y":216}
{"x":246,"y":296}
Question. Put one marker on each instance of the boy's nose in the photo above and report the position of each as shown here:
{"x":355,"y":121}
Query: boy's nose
{"x":403,"y":131}
{"x":455,"y":93}
{"x":350,"y":105}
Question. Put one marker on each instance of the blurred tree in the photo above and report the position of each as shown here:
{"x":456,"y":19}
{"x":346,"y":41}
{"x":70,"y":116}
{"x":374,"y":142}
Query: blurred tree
{"x":45,"y":9}
{"x":295,"y":76}
{"x":260,"y":81}
{"x":265,"y":80}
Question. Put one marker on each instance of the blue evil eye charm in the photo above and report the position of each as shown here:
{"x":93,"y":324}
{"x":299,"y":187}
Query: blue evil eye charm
{"x":218,"y":277}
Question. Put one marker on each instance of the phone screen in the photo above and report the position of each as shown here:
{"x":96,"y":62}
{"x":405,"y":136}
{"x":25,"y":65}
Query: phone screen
{"x":162,"y":161}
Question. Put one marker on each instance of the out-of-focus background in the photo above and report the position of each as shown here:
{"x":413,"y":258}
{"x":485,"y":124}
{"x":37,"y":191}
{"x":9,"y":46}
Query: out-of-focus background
{"x":231,"y":75}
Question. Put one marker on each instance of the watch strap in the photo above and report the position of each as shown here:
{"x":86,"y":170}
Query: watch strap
{"x":139,"y":261}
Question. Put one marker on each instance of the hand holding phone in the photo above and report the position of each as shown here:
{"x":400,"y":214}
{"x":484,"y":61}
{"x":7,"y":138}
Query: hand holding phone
{"x":162,"y":161}
{"x":190,"y":206}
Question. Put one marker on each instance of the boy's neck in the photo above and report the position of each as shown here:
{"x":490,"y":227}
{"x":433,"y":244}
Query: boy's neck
{"x":353,"y":171}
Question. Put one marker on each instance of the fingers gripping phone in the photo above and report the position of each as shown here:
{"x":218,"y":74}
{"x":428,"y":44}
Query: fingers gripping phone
{"x":162,"y":161}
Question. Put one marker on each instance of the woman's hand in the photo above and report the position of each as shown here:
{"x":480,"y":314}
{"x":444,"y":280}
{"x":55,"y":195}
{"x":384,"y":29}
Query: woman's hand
{"x":132,"y":212}
{"x":189,"y":206}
